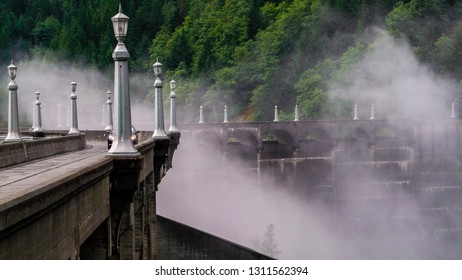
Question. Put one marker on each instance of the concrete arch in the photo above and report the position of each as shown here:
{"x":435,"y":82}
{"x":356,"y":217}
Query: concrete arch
{"x":245,"y":136}
{"x":315,"y":133}
{"x":209,"y":138}
{"x":362,"y":136}
{"x":354,"y":132}
{"x":391,"y":135}
{"x":314,"y":142}
{"x":353,"y":136}
{"x":344,"y":132}
{"x":281,"y":136}
{"x":243,"y":144}
{"x":277,"y":143}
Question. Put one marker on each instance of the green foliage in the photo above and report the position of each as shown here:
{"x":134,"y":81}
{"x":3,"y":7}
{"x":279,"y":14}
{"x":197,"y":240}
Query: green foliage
{"x":247,"y":54}
{"x":445,"y":52}
{"x":421,"y":22}
{"x":311,"y":89}
{"x":208,"y":39}
{"x":314,"y":83}
{"x":45,"y":31}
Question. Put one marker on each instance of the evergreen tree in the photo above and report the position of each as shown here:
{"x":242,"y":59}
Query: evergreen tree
{"x":268,"y":245}
{"x":253,"y":54}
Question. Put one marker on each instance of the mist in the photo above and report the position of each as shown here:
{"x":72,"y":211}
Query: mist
{"x":208,"y":190}
{"x":400,"y":87}
{"x":52,"y":80}
{"x":211,"y":192}
{"x":220,"y":196}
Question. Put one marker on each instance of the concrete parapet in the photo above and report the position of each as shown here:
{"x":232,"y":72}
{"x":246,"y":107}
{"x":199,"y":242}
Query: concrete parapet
{"x":19,"y":152}
{"x":96,"y":135}
{"x":49,"y":215}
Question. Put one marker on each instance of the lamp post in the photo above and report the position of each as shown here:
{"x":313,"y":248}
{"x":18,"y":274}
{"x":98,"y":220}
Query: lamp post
{"x":355,"y":113}
{"x":372,"y":112}
{"x":276,"y":114}
{"x":201,"y":115}
{"x":34,"y":122}
{"x":109,"y":125}
{"x":173,"y":127}
{"x":37,"y":128}
{"x":74,"y":130}
{"x":159,"y":130}
{"x":122,"y":146}
{"x":13,"y":115}
{"x":225,"y":114}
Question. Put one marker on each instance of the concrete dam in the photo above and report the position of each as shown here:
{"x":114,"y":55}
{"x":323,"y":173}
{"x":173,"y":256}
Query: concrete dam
{"x":332,"y":190}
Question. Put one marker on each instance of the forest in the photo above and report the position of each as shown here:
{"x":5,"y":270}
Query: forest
{"x":247,"y":54}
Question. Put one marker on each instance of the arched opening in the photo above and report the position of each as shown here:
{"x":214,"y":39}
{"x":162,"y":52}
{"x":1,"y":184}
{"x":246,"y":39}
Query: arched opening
{"x":362,"y":137}
{"x":209,"y":138}
{"x":242,"y":145}
{"x":277,"y":144}
{"x":314,"y":142}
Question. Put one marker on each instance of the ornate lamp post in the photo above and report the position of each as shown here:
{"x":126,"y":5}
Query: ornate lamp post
{"x":159,"y":130}
{"x":225,"y":114}
{"x":13,"y":115}
{"x":122,"y":146}
{"x":201,"y":115}
{"x":109,"y":125}
{"x":74,"y":130}
{"x":372,"y":112}
{"x":173,"y":127}
{"x":355,"y":113}
{"x":276,"y":114}
{"x":37,"y":127}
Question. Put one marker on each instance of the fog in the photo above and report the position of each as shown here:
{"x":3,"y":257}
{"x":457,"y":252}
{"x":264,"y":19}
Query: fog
{"x":221,"y":197}
{"x":52,"y":80}
{"x":399,"y":86}
{"x":207,"y":191}
{"x":212,"y":193}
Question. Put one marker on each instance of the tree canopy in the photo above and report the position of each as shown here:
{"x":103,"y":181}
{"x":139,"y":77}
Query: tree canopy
{"x":247,"y":54}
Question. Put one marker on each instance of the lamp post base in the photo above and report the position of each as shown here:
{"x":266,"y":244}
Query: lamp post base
{"x":12,"y":139}
{"x":159,"y":135}
{"x":122,"y":149}
{"x":73,"y":131}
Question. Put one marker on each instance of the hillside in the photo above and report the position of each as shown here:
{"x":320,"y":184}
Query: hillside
{"x":252,"y":54}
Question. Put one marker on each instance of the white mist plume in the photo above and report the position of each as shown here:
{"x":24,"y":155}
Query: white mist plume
{"x":390,"y":77}
{"x":226,"y":201}
{"x":52,"y":80}
{"x":222,"y":197}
